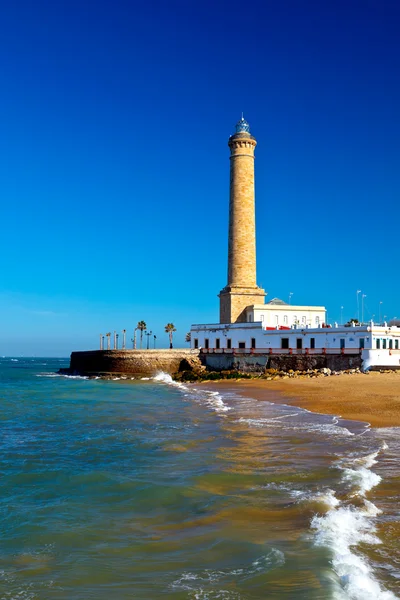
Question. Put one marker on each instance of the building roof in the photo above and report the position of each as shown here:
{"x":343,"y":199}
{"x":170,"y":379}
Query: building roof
{"x":277,"y":301}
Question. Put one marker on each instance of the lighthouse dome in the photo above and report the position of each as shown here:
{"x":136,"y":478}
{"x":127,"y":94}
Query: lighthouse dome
{"x":242,"y":126}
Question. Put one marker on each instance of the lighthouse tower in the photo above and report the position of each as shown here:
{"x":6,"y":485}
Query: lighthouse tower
{"x":241,"y":290}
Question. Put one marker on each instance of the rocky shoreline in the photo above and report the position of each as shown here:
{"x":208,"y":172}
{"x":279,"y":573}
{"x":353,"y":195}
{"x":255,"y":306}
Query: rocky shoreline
{"x":202,"y":374}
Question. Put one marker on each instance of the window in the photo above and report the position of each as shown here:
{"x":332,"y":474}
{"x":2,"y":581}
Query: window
{"x":384,"y":344}
{"x":253,"y":342}
{"x":242,"y":345}
{"x":303,"y":320}
{"x":390,"y":344}
{"x":299,"y":343}
{"x":276,"y":319}
{"x":285,"y":320}
{"x":206,"y":343}
{"x":249,"y":318}
{"x":396,"y":344}
{"x":362,"y":343}
{"x":342,"y":343}
{"x":312,"y":343}
{"x":262,"y":318}
{"x":217,"y":343}
{"x":294,"y":319}
{"x":229,"y":343}
{"x":317,"y":321}
{"x":196,"y":342}
{"x":378,"y":344}
{"x":285,"y":343}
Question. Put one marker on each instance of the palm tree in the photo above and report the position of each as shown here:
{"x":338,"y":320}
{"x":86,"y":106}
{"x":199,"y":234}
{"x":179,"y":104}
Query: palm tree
{"x":142,"y":327}
{"x":170,"y":328}
{"x":188,"y":337}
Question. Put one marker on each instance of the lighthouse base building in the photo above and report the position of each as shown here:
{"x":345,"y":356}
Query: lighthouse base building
{"x":248,"y":325}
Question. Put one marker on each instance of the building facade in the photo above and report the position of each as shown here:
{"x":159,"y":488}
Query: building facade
{"x":378,"y":345}
{"x":278,"y":313}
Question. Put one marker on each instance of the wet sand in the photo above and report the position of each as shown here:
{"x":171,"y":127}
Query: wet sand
{"x":374,"y":398}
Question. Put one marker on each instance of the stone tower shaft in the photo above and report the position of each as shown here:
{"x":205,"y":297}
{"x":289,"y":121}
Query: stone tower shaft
{"x":241,"y":290}
{"x":242,"y":225}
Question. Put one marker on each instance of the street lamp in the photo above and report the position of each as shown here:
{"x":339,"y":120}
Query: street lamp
{"x":148,"y":333}
{"x":123,"y":339}
{"x":116,"y":340}
{"x":362,"y":307}
{"x":155,"y":337}
{"x":358,"y":306}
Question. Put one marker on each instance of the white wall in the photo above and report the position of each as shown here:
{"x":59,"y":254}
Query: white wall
{"x":324,"y":337}
{"x":380,"y":358}
{"x":287,"y":315}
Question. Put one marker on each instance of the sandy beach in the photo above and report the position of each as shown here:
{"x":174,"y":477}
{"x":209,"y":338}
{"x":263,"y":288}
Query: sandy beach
{"x":374,"y":398}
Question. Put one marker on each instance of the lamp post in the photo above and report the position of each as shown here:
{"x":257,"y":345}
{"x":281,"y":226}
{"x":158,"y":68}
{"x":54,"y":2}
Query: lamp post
{"x":362,"y":307}
{"x":108,"y":336}
{"x":123,"y":339}
{"x":148,"y":333}
{"x":101,"y":342}
{"x":154,"y":340}
{"x":358,"y":306}
{"x":116,"y":341}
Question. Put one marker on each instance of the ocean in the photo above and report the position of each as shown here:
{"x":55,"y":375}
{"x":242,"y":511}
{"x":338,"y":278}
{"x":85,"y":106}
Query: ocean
{"x":148,"y":489}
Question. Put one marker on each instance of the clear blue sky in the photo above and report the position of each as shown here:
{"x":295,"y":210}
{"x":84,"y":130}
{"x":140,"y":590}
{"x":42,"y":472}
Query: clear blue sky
{"x":114,"y":165}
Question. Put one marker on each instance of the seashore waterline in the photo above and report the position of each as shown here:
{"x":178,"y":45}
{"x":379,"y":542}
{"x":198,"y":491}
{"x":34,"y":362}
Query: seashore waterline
{"x":146,"y":489}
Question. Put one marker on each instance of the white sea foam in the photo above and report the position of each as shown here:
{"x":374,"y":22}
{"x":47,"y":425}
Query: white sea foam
{"x":359,"y":474}
{"x":276,"y":422}
{"x":343,"y":527}
{"x":212,"y":399}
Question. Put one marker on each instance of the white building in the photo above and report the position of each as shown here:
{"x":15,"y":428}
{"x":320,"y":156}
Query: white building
{"x":278,"y":313}
{"x":378,"y":345}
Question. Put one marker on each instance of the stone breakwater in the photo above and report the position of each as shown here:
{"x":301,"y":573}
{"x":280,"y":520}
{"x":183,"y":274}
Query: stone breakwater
{"x":131,"y":362}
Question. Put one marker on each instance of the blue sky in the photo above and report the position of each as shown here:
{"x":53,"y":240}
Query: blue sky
{"x":114,"y":164}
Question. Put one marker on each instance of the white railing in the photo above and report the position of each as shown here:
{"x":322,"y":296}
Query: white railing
{"x":283,"y":350}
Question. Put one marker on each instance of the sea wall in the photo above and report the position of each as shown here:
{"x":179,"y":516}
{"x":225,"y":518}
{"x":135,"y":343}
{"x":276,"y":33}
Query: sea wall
{"x":285,"y":362}
{"x":132,"y":362}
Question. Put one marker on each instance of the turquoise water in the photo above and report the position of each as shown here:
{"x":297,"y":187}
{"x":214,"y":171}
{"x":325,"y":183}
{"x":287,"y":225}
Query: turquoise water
{"x":145,"y":489}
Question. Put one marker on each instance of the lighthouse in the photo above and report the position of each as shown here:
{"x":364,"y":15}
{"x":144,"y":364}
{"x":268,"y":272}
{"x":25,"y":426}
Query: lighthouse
{"x":241,"y":290}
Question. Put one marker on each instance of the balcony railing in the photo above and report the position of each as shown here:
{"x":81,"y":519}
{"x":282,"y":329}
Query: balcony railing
{"x":281,"y":350}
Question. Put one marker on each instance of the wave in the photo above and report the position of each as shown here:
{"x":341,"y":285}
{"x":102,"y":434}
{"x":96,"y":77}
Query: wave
{"x":61,"y":375}
{"x":275,"y":422}
{"x":212,"y":399}
{"x":198,"y":582}
{"x":345,"y":526}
